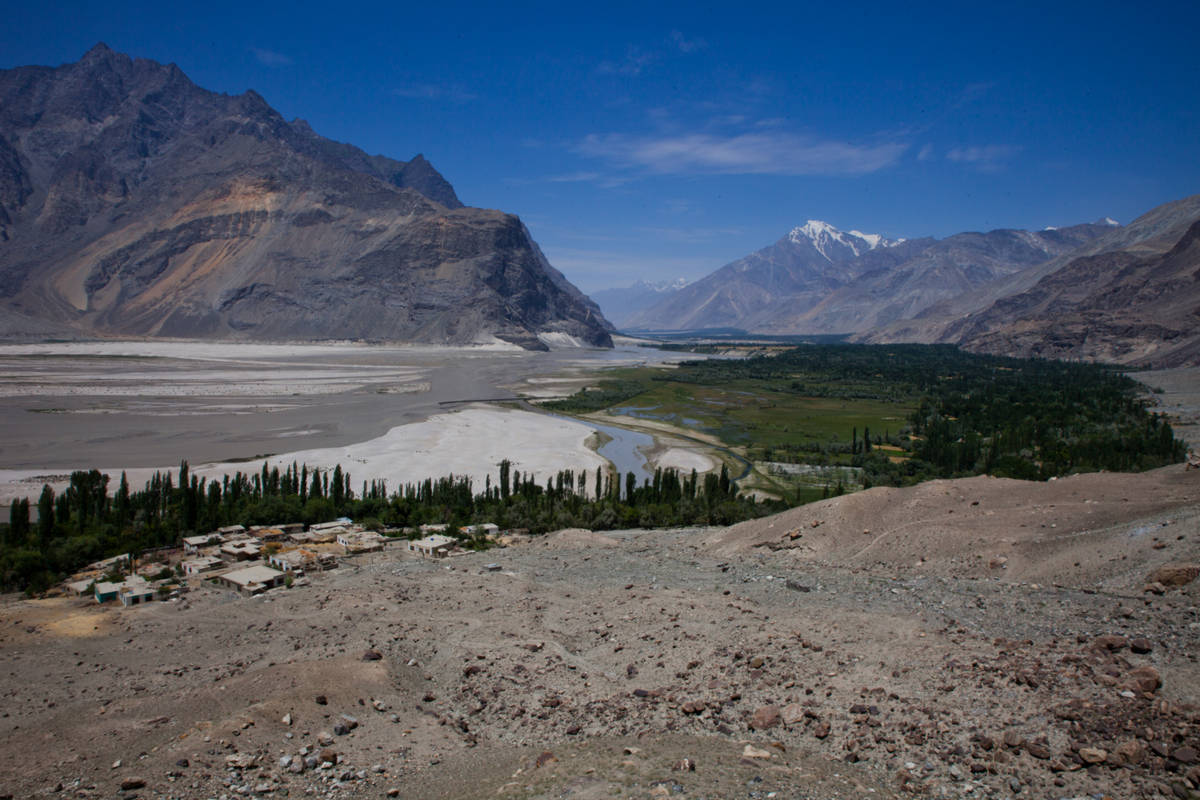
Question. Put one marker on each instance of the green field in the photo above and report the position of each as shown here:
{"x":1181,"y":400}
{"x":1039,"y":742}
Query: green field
{"x":896,"y":414}
{"x":745,"y":415}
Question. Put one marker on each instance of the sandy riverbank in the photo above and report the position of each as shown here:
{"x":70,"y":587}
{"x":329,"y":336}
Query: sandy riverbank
{"x":470,"y":442}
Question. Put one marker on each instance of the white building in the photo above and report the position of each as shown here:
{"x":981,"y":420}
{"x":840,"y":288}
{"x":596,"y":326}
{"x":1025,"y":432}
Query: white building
{"x":196,"y":566}
{"x":435,"y":546}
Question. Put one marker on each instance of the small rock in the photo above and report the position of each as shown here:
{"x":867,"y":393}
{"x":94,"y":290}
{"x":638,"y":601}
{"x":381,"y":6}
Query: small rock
{"x":757,"y":662}
{"x":545,"y":758}
{"x":792,"y":714}
{"x":130,"y":784}
{"x":765,"y":717}
{"x":321,"y":700}
{"x":1092,"y":755}
{"x":372,"y":655}
{"x":750,"y":751}
{"x":1144,"y":678}
{"x":1141,"y":645}
{"x":822,"y":730}
{"x":327,"y":756}
{"x":1184,"y":755}
{"x":287,"y":719}
{"x":684,"y":765}
{"x":1111,"y":642}
{"x":1037,"y":750}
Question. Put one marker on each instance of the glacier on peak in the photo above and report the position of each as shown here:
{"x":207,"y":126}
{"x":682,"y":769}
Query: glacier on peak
{"x":826,"y":239}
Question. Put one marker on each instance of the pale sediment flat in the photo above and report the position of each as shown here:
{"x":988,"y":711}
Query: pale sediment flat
{"x":684,"y":460}
{"x":471,"y":442}
{"x":145,"y":406}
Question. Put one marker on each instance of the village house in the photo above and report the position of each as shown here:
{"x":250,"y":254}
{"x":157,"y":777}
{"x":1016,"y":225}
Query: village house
{"x":135,"y":585}
{"x":488,"y":529}
{"x":231,"y":530}
{"x":253,"y":580}
{"x":192,"y":544}
{"x":302,"y":560}
{"x":435,"y":546}
{"x":438,"y":528}
{"x":116,"y":562}
{"x":135,"y":594}
{"x":361,"y":541}
{"x":242,"y":550}
{"x":196,"y":566}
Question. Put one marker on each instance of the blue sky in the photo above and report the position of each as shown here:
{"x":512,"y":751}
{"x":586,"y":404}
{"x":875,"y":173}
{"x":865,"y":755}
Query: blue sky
{"x":657,"y":140}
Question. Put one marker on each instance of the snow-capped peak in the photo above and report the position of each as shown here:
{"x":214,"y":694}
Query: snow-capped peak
{"x":834,"y":244}
{"x":1110,"y":222}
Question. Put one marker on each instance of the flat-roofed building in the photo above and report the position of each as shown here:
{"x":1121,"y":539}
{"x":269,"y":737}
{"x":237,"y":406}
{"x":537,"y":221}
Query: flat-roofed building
{"x":361,"y":541}
{"x":253,"y":580}
{"x":435,"y":546}
{"x":243,"y":550}
{"x":192,"y":544}
{"x":196,"y":566}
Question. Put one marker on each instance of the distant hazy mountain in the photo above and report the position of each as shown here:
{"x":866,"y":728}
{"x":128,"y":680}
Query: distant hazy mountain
{"x":1135,"y":301}
{"x":133,"y":202}
{"x":797,"y":271}
{"x":621,"y":304}
{"x":819,"y":280}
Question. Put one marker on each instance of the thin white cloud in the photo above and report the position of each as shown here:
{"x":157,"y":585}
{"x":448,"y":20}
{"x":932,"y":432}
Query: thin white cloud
{"x":593,"y":270}
{"x":926,"y":153}
{"x":636,"y":59}
{"x":432,"y":91}
{"x":686,"y":45}
{"x":696,"y":235}
{"x":271,"y":58}
{"x":988,"y":158}
{"x":575,"y":177}
{"x":760,"y":153}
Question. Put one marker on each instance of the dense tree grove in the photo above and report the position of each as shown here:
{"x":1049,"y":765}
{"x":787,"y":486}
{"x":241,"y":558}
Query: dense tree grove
{"x":973,"y":414}
{"x":1021,"y":418}
{"x":84,"y":523}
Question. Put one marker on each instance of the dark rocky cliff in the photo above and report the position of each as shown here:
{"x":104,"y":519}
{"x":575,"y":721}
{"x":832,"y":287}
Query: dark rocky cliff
{"x":133,"y":202}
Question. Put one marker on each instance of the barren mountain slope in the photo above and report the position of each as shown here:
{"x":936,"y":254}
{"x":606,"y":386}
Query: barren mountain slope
{"x":133,"y":202}
{"x":592,"y":665}
{"x":1114,"y":307}
{"x":1152,"y":234}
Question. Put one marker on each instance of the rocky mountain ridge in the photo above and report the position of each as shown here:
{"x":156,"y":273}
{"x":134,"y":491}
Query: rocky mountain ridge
{"x":134,"y":203}
{"x":820,"y":280}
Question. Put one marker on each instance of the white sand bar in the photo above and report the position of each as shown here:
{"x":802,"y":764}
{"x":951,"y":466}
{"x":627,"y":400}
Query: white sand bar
{"x":685,"y":461}
{"x":470,"y":442}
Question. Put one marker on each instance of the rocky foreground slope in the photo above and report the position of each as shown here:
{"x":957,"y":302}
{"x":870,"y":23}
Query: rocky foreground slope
{"x":134,"y":203}
{"x":978,"y":638}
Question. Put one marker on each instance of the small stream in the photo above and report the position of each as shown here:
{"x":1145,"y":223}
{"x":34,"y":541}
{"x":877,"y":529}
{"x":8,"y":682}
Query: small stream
{"x":623,"y":450}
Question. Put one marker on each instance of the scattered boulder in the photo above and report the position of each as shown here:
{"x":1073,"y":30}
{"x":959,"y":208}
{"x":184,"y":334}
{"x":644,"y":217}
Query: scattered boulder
{"x":372,"y":655}
{"x":1111,"y":642}
{"x":765,"y":718}
{"x":792,"y":714}
{"x":1141,"y":645}
{"x":1092,"y":755}
{"x":1143,"y":679}
{"x":321,"y":700}
{"x":1178,"y":574}
{"x":129,"y":784}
